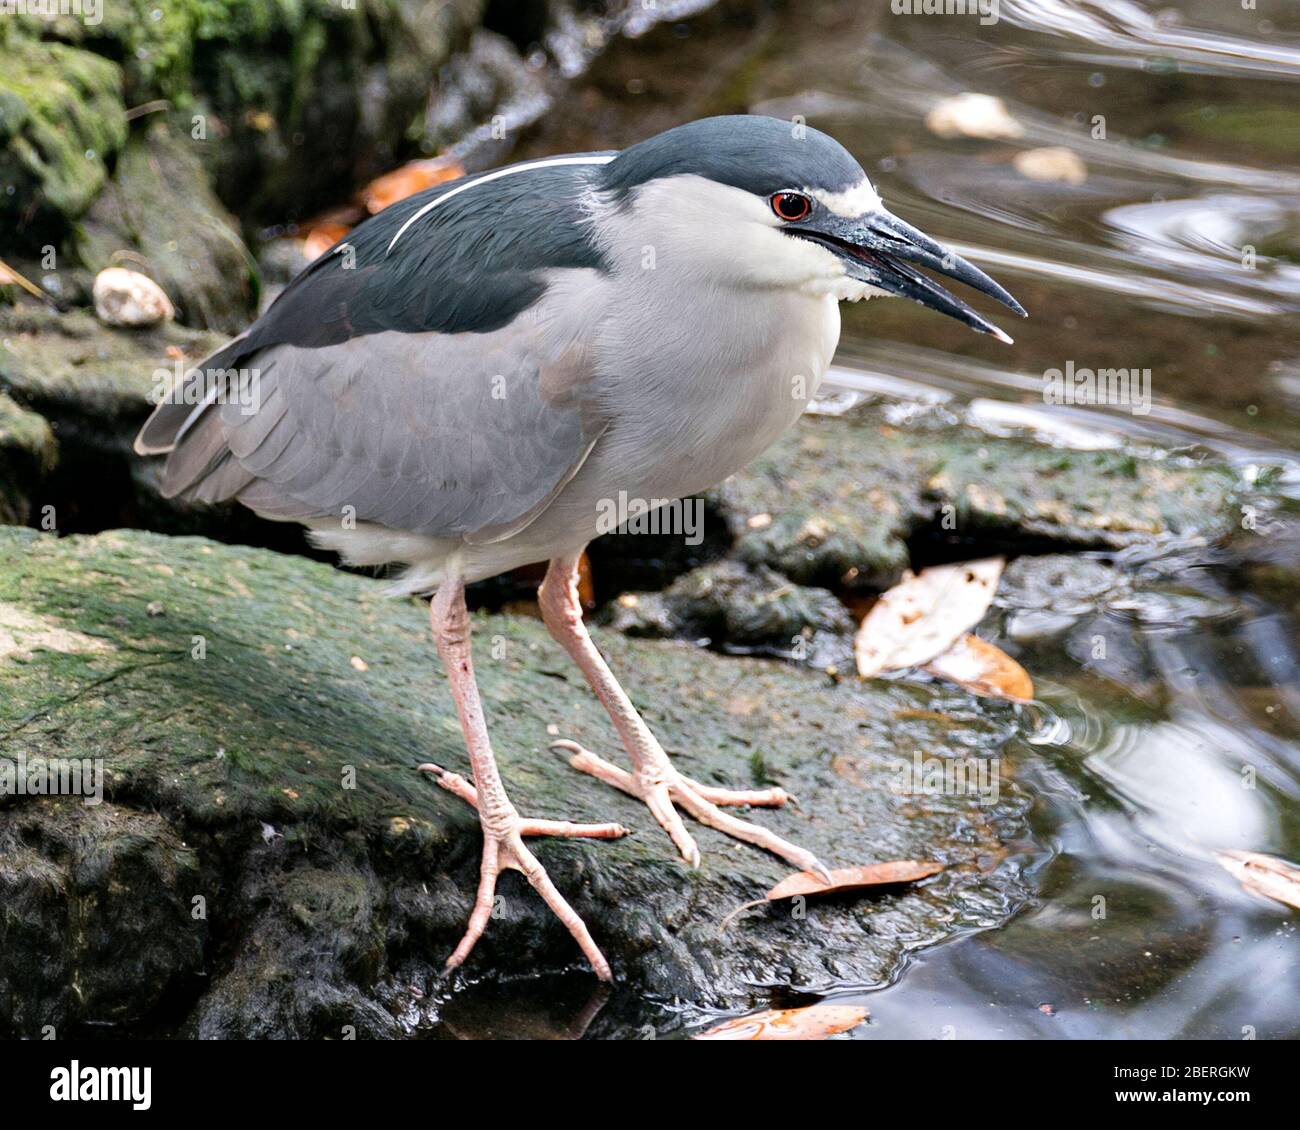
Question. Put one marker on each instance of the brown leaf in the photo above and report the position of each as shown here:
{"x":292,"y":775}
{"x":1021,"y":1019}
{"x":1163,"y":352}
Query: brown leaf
{"x":813,"y":1023}
{"x":844,"y":879}
{"x":852,"y":878}
{"x":924,"y":615}
{"x":983,"y":669}
{"x":1263,"y":875}
{"x":413,"y":177}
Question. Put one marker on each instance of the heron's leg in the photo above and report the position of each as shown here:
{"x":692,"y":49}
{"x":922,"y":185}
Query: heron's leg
{"x":503,"y":828}
{"x":653,"y":779}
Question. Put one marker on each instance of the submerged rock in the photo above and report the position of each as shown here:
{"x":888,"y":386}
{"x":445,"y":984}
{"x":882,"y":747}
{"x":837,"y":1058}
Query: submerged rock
{"x":241,"y":709}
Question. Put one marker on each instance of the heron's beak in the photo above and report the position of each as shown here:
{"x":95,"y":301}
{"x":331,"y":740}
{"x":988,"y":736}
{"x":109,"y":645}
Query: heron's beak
{"x":879,"y":248}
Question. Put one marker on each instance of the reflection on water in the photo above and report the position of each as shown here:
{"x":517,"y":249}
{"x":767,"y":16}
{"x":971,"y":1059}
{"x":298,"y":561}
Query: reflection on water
{"x":1177,"y":254}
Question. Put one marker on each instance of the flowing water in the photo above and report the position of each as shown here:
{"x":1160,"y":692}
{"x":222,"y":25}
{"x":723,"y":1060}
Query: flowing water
{"x":1179,"y":254}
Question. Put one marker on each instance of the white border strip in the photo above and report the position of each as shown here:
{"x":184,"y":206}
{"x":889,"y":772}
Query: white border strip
{"x":547,"y":163}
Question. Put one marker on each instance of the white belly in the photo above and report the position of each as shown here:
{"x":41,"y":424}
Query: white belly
{"x":710,"y":386}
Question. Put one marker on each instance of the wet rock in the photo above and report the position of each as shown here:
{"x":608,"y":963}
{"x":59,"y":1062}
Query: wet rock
{"x":730,"y":605}
{"x":838,"y":501}
{"x":242,"y":708}
{"x":100,"y":897}
{"x":159,"y":209}
{"x":62,"y":120}
{"x":128,"y":298}
{"x":28,"y":453}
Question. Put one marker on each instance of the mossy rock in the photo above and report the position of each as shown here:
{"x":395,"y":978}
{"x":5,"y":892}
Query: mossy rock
{"x":159,"y":209}
{"x":28,"y":453}
{"x":88,"y":378}
{"x":62,"y":121}
{"x":837,"y":499}
{"x":260,"y":719}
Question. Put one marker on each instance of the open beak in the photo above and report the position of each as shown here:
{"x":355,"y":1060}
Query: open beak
{"x":879,"y":248}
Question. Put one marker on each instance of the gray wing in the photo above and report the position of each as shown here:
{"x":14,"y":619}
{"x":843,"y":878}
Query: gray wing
{"x":440,"y":434}
{"x":428,"y":373}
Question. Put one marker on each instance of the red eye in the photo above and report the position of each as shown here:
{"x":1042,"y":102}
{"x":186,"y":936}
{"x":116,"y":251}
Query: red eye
{"x":791,"y":206}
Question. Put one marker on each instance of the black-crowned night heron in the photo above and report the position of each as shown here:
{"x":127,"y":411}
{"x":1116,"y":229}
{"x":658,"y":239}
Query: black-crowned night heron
{"x":466,"y":380}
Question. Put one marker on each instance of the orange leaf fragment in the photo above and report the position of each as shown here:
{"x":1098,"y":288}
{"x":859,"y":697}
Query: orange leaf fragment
{"x":322,"y":237}
{"x":413,"y":177}
{"x":815,"y":1022}
{"x":983,"y":669}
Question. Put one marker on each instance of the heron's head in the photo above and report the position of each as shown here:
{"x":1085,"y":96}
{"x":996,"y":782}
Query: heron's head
{"x":763,"y":202}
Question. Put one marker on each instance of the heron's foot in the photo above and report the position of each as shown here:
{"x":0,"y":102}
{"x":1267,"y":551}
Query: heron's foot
{"x":662,"y":788}
{"x":503,"y":848}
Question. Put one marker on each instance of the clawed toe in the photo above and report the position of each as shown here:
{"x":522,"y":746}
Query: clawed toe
{"x":504,"y":849}
{"x":663,"y":789}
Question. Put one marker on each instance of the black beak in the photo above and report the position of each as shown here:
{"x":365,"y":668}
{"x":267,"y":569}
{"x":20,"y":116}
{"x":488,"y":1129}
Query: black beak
{"x":877,"y":249}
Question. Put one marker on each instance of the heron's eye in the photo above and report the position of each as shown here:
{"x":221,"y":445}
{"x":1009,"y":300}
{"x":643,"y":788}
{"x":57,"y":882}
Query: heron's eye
{"x":791,"y":206}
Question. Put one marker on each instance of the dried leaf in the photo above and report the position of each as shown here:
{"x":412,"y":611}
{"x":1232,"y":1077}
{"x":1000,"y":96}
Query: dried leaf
{"x":852,"y":878}
{"x":844,"y":879}
{"x":413,"y":177}
{"x":1263,"y":875}
{"x":983,"y":669}
{"x":924,"y":615}
{"x":813,"y":1023}
{"x":322,"y":237}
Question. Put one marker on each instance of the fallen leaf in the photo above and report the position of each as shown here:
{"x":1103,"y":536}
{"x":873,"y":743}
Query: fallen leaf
{"x":852,"y":878}
{"x":322,"y":237}
{"x":844,"y":879}
{"x":1263,"y":875}
{"x":923,"y":615}
{"x":813,"y":1023}
{"x":983,"y":669}
{"x":413,"y":177}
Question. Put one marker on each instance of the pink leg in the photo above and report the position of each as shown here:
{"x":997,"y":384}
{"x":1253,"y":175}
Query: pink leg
{"x":503,"y":829}
{"x":653,"y":779}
